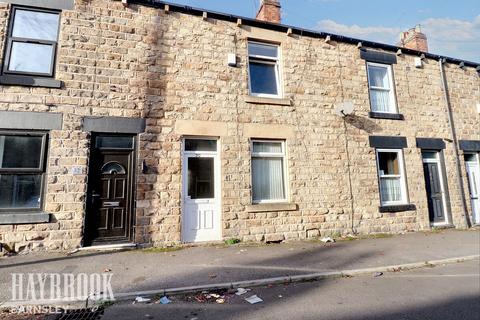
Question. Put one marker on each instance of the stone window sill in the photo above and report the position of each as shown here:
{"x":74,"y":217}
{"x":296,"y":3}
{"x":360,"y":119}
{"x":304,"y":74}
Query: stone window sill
{"x":273,"y":101}
{"x":24,"y":217}
{"x":268,"y":207}
{"x":389,"y":116}
{"x":397,"y":208}
{"x":27,"y":81}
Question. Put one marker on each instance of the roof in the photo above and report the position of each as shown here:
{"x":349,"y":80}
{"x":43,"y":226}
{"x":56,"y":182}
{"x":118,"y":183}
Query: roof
{"x":297,"y":31}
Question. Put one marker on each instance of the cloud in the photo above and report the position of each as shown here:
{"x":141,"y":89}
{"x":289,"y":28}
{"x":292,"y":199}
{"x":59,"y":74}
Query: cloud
{"x":451,"y":37}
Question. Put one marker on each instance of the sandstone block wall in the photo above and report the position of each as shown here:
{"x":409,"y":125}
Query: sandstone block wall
{"x":169,"y":68}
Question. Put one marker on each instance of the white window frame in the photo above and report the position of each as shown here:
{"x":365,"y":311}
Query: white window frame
{"x":403,"y":183}
{"x":11,"y":40}
{"x":393,"y":109}
{"x":282,"y":156}
{"x":265,"y":60}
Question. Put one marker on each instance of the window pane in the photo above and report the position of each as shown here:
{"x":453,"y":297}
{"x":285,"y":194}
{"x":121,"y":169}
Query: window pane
{"x":113,"y":168}
{"x":381,"y":101}
{"x":201,"y":178}
{"x":200,"y":145}
{"x":31,"y":57}
{"x":378,"y":77}
{"x":390,"y":189}
{"x":20,"y":151}
{"x":271,"y":147}
{"x":267,"y":179}
{"x":263,"y":78}
{"x":388,"y":163}
{"x":20,"y":191}
{"x":265,"y":50}
{"x":35,"y":25}
{"x":470,"y":157}
{"x":114,"y":142}
{"x":429,"y":155}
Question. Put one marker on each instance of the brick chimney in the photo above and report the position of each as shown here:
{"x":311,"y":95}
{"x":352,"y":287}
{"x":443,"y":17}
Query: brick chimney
{"x":269,"y":11}
{"x":414,"y":39}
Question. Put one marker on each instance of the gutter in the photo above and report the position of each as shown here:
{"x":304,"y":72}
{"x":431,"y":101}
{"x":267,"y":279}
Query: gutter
{"x":295,"y":30}
{"x":448,"y":104}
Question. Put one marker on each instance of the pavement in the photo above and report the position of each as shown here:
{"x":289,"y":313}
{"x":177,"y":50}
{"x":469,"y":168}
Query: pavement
{"x":153,"y":270}
{"x":450,"y":292}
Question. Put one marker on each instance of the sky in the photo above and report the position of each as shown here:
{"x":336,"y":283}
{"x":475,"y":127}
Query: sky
{"x":452,"y":26}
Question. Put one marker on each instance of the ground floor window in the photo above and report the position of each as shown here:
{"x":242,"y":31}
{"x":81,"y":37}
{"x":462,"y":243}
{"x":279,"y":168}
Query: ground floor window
{"x":391,"y":176}
{"x":22,"y":169}
{"x":268,"y":171}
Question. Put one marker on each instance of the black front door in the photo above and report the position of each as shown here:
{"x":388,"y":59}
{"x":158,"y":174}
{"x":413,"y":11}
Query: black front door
{"x":110,"y":190}
{"x":434,"y":192}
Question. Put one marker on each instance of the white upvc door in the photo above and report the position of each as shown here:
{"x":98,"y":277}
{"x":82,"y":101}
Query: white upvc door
{"x":473,"y":172}
{"x":201,"y":219}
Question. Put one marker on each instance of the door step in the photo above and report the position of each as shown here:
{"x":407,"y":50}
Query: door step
{"x":109,"y":247}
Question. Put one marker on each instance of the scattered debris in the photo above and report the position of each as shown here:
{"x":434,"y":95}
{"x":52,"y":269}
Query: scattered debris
{"x":253,"y":299}
{"x":241,"y":291}
{"x":327,"y":239}
{"x":165,"y":300}
{"x":107,"y":270}
{"x":377,"y":274}
{"x":142,"y":300}
{"x":219,"y":296}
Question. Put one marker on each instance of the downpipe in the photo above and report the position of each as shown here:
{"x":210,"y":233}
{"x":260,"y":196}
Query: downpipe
{"x":454,"y":140}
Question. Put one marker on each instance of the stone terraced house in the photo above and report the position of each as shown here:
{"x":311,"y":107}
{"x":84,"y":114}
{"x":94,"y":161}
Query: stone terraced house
{"x":148,"y":123}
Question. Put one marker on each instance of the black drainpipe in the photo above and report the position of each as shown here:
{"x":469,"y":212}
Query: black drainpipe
{"x":455,"y":142}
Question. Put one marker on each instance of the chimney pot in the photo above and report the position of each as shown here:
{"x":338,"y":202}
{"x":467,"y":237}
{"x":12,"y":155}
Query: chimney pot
{"x":269,"y":11}
{"x":414,"y":39}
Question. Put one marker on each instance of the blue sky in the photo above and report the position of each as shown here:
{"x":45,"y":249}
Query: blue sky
{"x":452,"y":27}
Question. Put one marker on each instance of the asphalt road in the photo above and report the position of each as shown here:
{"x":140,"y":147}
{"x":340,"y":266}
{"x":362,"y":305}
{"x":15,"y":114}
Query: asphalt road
{"x":444,"y":292}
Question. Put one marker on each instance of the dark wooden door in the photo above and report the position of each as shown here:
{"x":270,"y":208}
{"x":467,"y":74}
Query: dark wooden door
{"x":434,"y":192}
{"x":109,"y":213}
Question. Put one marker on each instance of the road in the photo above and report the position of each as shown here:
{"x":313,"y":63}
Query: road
{"x":444,"y":292}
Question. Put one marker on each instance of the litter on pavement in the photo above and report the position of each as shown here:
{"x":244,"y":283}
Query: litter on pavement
{"x":220,"y":297}
{"x":327,"y":239}
{"x":142,"y":300}
{"x":165,"y":300}
{"x":377,"y":274}
{"x":253,"y":299}
{"x":241,"y":291}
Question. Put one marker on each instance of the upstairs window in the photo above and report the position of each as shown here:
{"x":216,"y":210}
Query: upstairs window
{"x":22,"y":170}
{"x":32,"y":42}
{"x":264,"y":75}
{"x":391,"y":177}
{"x":382,"y":93}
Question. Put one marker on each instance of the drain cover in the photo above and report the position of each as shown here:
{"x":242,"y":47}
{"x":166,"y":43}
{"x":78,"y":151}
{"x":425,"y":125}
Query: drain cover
{"x":82,"y":314}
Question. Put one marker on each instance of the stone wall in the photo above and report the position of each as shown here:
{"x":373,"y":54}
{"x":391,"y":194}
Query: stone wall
{"x":171,"y":69}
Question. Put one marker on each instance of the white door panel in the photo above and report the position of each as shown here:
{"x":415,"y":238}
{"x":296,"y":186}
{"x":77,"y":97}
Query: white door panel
{"x":201,"y":207}
{"x":473,"y":172}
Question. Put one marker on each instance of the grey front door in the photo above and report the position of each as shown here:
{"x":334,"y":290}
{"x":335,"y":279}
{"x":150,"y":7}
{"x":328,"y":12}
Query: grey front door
{"x":434,"y":192}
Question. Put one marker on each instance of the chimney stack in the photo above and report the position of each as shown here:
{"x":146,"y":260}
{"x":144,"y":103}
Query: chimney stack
{"x":269,"y":11}
{"x":414,"y":39}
